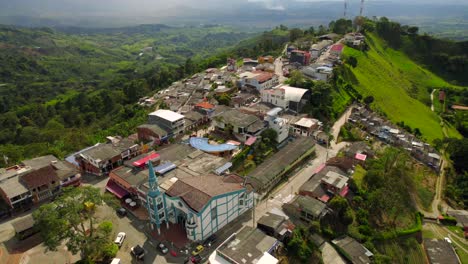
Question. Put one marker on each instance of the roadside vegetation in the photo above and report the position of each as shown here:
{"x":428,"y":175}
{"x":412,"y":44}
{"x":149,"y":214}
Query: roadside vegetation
{"x":70,"y":219}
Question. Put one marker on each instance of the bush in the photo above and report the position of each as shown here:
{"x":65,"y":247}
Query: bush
{"x":448,"y":220}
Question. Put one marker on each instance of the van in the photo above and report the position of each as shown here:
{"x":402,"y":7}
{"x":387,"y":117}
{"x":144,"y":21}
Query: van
{"x":115,"y":261}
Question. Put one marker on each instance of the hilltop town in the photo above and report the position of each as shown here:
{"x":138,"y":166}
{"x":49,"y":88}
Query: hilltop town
{"x":228,"y":169}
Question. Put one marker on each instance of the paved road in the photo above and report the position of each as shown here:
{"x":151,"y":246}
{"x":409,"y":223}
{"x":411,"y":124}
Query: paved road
{"x":286,"y":191}
{"x":442,"y":232}
{"x":279,"y":69}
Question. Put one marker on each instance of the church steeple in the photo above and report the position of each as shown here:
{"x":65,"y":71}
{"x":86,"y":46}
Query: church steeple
{"x":153,"y":182}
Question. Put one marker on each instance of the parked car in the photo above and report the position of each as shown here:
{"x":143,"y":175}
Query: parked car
{"x":121,"y":212}
{"x":210,"y":240}
{"x":448,"y":240}
{"x":196,"y":259}
{"x":198,"y":250}
{"x":163,"y":248}
{"x":120,"y":239}
{"x":138,"y":252}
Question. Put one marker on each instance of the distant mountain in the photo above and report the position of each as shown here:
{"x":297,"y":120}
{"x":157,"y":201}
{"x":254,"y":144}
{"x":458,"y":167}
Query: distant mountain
{"x":431,"y":16}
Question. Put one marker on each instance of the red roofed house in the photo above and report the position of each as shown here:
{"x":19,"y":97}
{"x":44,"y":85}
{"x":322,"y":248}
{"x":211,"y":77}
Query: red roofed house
{"x":336,"y":49}
{"x":259,"y":80}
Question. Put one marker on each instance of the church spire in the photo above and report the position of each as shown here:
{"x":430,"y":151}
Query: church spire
{"x":153,"y":181}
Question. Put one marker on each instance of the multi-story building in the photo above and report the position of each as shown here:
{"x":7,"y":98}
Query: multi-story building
{"x":300,"y":56}
{"x":168,"y":119}
{"x":317,"y":48}
{"x":306,"y":126}
{"x":202,"y":204}
{"x":259,"y":80}
{"x":35,"y":180}
{"x":286,"y":97}
{"x":101,"y":158}
{"x":280,"y":125}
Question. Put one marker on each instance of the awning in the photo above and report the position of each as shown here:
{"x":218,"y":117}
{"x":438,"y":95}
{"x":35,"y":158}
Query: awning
{"x":143,"y":161}
{"x":116,"y":189}
{"x":223,"y":168}
{"x":324,"y":198}
{"x":345,"y":191}
{"x":250,"y":141}
{"x":360,"y":156}
{"x":166,"y":167}
{"x":320,"y":168}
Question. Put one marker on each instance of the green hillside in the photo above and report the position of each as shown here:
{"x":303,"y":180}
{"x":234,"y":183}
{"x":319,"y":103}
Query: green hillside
{"x":399,"y":85}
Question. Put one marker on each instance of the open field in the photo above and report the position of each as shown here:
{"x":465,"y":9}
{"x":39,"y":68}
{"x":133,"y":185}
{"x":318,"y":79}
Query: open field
{"x":399,"y":87}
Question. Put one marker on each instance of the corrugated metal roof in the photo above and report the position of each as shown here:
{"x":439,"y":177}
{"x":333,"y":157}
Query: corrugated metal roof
{"x":223,"y":168}
{"x":166,"y":167}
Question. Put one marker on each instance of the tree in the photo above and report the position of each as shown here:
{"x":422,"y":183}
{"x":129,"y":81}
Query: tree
{"x":269,"y":136}
{"x":352,"y":61}
{"x":71,"y":218}
{"x":368,"y":99}
{"x":295,"y":33}
{"x":321,"y":30}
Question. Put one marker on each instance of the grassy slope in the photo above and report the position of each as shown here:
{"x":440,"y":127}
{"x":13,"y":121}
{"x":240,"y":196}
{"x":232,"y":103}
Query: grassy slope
{"x":391,"y":77}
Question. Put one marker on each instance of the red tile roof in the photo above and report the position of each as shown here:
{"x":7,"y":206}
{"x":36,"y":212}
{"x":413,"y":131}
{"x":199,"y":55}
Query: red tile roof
{"x":39,"y":177}
{"x":205,"y":105}
{"x":263,"y":76}
{"x":337,"y":47}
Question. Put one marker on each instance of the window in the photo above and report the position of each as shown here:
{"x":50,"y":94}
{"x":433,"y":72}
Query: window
{"x":214,"y":213}
{"x":181,"y":204}
{"x":160,"y":206}
{"x":241,"y":199}
{"x":161,"y":215}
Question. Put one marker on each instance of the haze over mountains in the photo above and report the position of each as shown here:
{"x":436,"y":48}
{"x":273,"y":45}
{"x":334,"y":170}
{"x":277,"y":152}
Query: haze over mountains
{"x":246,"y":13}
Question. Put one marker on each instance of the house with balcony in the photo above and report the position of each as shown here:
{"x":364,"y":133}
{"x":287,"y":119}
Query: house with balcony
{"x":201,"y":204}
{"x":258,"y":80}
{"x":101,"y":158}
{"x":35,"y":180}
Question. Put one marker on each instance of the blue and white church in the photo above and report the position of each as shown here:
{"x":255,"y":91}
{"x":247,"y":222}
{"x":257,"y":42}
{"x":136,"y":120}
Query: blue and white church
{"x":202,"y":204}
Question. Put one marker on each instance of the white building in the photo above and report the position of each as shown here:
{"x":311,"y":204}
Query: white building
{"x":318,"y":72}
{"x":317,"y":48}
{"x":167,"y":119}
{"x":306,"y":126}
{"x":280,"y":125}
{"x":248,"y":246}
{"x":259,"y":80}
{"x":286,"y":97}
{"x":203,"y":204}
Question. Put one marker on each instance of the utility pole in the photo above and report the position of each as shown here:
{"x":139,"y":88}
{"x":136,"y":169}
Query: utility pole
{"x":345,"y":8}
{"x":253,"y":211}
{"x":362,"y":8}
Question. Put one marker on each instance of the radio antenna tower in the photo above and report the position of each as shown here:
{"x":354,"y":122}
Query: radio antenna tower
{"x":362,"y":8}
{"x":345,"y":8}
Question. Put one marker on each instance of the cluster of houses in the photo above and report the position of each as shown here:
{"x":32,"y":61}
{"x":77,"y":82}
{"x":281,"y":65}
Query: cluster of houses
{"x":186,"y":182}
{"x":33,"y":181}
{"x":317,"y":62}
{"x":385,"y":131}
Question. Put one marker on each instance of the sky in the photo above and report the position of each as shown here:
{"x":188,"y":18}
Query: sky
{"x":145,"y":7}
{"x":130,"y":12}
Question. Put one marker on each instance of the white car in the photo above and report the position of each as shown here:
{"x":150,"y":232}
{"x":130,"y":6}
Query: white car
{"x":120,"y":238}
{"x":448,"y":240}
